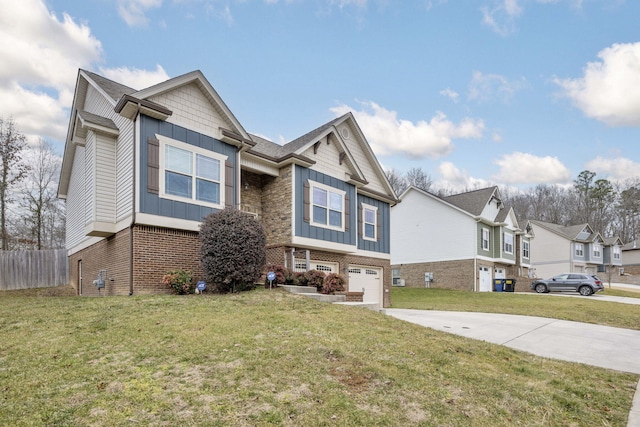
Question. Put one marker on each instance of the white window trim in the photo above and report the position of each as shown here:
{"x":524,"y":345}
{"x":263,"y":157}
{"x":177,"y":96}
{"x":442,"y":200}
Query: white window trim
{"x":164,"y":141}
{"x":485,"y":230}
{"x":579,"y":250}
{"x":616,"y":253}
{"x":505,"y":243}
{"x":597,"y":250}
{"x":375,"y":222}
{"x":526,"y":247}
{"x":314,"y":184}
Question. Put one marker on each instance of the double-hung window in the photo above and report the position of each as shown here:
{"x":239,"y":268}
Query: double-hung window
{"x":597,"y":251}
{"x":485,"y":239}
{"x":369,"y":222}
{"x":579,"y":250}
{"x":327,"y":206}
{"x":191,"y":174}
{"x":508,"y":243}
{"x":525,"y":249}
{"x":616,"y":252}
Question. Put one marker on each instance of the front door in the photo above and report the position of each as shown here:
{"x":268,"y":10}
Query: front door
{"x":485,"y":279}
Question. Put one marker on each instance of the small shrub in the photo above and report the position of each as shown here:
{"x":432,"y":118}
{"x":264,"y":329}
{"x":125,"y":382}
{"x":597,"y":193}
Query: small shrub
{"x":315,"y":278}
{"x":181,"y":281}
{"x":299,"y":278}
{"x":332,"y":283}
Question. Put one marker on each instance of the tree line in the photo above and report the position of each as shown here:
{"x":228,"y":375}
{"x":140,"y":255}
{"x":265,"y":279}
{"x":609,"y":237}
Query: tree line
{"x":31,"y":215}
{"x":611,"y":208}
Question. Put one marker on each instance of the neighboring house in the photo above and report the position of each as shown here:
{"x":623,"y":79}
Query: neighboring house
{"x":463,"y":241}
{"x":612,"y":255}
{"x":631,"y":257}
{"x":569,"y":249}
{"x":141,"y":168}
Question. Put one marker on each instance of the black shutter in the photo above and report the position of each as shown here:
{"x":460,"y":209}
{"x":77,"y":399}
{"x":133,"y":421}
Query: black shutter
{"x":305,"y":201}
{"x":228,"y":184}
{"x":153,"y":165}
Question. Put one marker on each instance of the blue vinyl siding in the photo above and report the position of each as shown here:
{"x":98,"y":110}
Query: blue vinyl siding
{"x":382,"y":243}
{"x":305,"y":229}
{"x":153,"y":204}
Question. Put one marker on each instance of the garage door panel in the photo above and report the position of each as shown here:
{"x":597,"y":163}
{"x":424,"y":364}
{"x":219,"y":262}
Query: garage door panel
{"x":367,"y":279}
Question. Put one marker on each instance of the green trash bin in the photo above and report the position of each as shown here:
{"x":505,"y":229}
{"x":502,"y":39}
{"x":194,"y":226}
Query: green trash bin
{"x":498,"y":285}
{"x":509,"y":285}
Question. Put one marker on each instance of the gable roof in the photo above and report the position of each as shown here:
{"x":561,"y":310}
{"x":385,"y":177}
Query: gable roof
{"x":612,"y":241}
{"x":474,"y":201}
{"x":569,"y":232}
{"x":114,"y":89}
{"x":296,"y":148}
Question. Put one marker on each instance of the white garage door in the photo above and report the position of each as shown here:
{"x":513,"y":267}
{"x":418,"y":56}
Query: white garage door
{"x":368,"y":279}
{"x":325,"y":267}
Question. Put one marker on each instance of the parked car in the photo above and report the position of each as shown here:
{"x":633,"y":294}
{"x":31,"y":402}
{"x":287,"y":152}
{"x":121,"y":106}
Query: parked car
{"x":586,"y":284}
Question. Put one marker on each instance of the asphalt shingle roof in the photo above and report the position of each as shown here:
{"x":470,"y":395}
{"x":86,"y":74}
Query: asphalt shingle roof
{"x":472,"y":201}
{"x":113,"y":89}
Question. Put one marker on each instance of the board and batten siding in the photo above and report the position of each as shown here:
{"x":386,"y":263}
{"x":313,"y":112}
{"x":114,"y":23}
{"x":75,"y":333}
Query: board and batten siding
{"x":304,"y":228}
{"x":382,"y":243}
{"x":425,"y":229}
{"x":153,"y":203}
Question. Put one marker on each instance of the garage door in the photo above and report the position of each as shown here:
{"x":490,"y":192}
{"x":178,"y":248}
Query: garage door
{"x":368,"y":279}
{"x":325,"y":267}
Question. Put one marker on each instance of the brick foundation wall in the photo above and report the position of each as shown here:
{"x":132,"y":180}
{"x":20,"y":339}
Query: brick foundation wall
{"x":111,"y":254}
{"x":158,"y":250}
{"x":458,"y":274}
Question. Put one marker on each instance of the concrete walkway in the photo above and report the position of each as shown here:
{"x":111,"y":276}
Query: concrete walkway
{"x":596,"y":345}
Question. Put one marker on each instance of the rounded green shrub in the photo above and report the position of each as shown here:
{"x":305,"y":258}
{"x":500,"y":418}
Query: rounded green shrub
{"x":232,"y":251}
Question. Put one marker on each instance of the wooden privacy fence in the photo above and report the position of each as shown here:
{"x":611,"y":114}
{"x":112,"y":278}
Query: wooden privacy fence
{"x":33,"y":269}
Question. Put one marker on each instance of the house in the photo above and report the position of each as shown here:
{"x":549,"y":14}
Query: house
{"x":569,"y":249}
{"x":141,"y":168}
{"x":612,"y":255}
{"x":631,"y":257}
{"x":463,"y":241}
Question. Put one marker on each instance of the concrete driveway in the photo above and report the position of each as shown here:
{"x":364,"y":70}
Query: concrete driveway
{"x":602,"y":346}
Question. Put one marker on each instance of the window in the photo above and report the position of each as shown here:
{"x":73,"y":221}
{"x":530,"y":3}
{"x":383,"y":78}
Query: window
{"x":579,"y":249}
{"x":327,"y":206}
{"x":508,"y":243}
{"x":190,"y":173}
{"x":596,"y":250}
{"x":616,"y":252}
{"x":395,"y":276}
{"x":525,"y":249}
{"x":485,"y":239}
{"x":369,"y":222}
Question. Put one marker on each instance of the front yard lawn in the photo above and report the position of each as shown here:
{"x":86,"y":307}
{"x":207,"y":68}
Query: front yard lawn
{"x":271,"y":358}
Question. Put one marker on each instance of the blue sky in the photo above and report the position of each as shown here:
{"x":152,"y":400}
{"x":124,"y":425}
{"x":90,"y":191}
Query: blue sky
{"x":509,"y":92}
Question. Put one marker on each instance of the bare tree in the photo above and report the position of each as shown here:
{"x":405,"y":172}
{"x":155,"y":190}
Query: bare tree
{"x":397,"y":181}
{"x":418,"y":178}
{"x":39,"y":195}
{"x":12,"y":170}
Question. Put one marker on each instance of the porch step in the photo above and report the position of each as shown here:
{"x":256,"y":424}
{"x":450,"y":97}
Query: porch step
{"x":311,"y":292}
{"x":299,"y":289}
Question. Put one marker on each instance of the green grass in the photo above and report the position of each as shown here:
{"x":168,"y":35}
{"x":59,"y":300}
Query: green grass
{"x":565,"y":308}
{"x":271,"y":358}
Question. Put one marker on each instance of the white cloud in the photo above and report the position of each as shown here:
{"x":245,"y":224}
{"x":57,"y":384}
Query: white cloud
{"x":133,"y":12}
{"x":389,"y":135}
{"x":525,"y":168}
{"x":40,"y":61}
{"x":487,"y":87}
{"x":616,"y":169}
{"x":456,"y":180}
{"x":451,"y":94}
{"x":609,"y":90}
{"x":134,"y":77}
{"x":500,"y":17}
